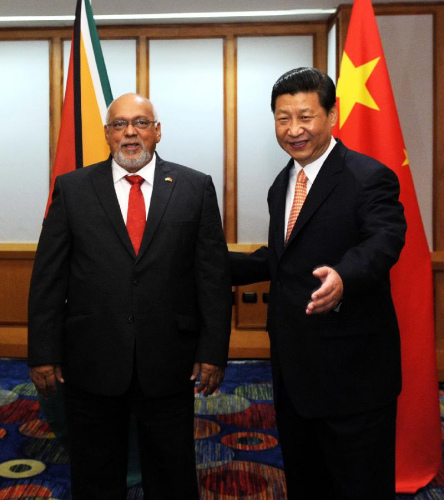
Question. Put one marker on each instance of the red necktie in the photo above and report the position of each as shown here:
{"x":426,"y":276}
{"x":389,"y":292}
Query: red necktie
{"x":300,"y":193}
{"x":136,"y":218}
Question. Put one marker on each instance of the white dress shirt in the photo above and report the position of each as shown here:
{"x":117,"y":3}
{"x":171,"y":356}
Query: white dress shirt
{"x":311,"y":171}
{"x":122,"y":186}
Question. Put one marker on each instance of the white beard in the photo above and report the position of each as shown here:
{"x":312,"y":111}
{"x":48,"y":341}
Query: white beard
{"x":139,"y":161}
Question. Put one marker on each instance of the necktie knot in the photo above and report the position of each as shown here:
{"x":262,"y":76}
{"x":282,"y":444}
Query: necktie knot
{"x":134,"y":179}
{"x":302,"y":178}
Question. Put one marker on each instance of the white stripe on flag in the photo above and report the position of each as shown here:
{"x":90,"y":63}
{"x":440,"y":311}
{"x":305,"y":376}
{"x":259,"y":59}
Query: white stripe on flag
{"x":86,"y":36}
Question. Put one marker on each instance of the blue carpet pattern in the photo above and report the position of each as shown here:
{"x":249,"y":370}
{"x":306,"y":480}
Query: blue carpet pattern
{"x":237,"y":449}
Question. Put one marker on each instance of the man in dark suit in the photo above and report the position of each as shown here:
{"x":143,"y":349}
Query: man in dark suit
{"x":335,"y":348}
{"x":127,"y":321}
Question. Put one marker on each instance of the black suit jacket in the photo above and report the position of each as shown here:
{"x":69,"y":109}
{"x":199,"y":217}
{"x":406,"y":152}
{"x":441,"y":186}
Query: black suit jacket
{"x":347,"y":361}
{"x":98,"y":309}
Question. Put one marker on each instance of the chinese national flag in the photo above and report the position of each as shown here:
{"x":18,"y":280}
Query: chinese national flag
{"x":368,"y":123}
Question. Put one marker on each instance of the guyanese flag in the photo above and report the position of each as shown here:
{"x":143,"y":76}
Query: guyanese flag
{"x":368,"y":123}
{"x":87,"y":96}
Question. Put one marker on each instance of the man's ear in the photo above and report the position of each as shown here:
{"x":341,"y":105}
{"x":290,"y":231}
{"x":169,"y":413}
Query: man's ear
{"x":333,"y":114}
{"x":106,"y":131}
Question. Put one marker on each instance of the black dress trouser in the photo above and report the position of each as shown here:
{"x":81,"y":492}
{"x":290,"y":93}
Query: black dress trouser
{"x":342,"y":458}
{"x":98,"y":436}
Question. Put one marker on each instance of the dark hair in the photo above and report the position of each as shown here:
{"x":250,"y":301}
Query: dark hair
{"x":305,"y":80}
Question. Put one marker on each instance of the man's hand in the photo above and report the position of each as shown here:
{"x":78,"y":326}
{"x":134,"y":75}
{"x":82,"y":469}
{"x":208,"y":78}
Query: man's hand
{"x":44,"y":378}
{"x":328,"y":295}
{"x":211,"y":377}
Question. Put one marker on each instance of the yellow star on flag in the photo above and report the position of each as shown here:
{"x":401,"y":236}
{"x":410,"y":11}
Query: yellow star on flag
{"x":351,"y":87}
{"x":406,"y":161}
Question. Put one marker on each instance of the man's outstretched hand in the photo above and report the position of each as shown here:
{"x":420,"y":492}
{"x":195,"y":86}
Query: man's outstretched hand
{"x":328,"y":295}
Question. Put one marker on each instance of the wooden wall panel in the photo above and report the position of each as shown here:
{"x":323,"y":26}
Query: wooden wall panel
{"x":230,"y":139}
{"x":438,"y":273}
{"x":438,"y":140}
{"x":15,"y":274}
{"x":13,"y":342}
{"x":249,"y":344}
{"x":16,"y":263}
{"x":248,"y":338}
{"x":251,"y":315}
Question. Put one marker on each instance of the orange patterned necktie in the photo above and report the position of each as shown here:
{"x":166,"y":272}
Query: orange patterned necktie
{"x":300,"y":193}
{"x":136,"y":218}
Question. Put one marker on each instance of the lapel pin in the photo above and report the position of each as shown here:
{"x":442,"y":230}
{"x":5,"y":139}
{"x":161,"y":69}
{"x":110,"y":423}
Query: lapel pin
{"x":168,"y":179}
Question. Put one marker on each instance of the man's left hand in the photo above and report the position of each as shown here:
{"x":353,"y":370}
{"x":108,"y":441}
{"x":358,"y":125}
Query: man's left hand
{"x":328,"y":295}
{"x":211,"y":377}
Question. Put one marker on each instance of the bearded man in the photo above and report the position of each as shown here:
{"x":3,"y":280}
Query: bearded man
{"x":130,"y":301}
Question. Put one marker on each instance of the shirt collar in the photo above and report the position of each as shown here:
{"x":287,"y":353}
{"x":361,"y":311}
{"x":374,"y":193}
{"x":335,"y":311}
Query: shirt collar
{"x":147,"y":172}
{"x":312,"y":169}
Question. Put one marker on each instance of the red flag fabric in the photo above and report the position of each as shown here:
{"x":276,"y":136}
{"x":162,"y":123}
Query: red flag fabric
{"x":368,"y":123}
{"x":65,"y":159}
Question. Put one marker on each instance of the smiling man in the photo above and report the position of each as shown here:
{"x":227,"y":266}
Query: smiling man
{"x":130,"y":300}
{"x":336,"y":229}
{"x":132,"y":143}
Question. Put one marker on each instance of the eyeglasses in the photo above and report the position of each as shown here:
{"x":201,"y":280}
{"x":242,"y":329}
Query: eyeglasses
{"x":138,"y":123}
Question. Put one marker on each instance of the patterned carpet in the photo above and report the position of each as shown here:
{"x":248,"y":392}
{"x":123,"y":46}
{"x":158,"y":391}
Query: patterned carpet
{"x":237,"y":450}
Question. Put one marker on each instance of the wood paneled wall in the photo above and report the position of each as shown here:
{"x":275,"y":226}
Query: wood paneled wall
{"x":143,"y":34}
{"x":16,"y":260}
{"x":16,"y":263}
{"x":249,"y":338}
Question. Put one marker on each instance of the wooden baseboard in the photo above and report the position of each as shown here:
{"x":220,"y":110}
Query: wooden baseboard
{"x":249,"y":344}
{"x":13,"y":342}
{"x":244,"y":344}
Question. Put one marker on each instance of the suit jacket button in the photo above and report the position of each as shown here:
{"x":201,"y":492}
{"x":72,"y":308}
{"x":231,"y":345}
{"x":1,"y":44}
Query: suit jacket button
{"x":279,"y":281}
{"x":136,"y":282}
{"x":130,"y":319}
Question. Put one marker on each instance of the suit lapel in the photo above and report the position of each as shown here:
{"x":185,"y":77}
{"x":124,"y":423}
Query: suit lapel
{"x":325,"y":182}
{"x":165,"y":179}
{"x":102,"y":180}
